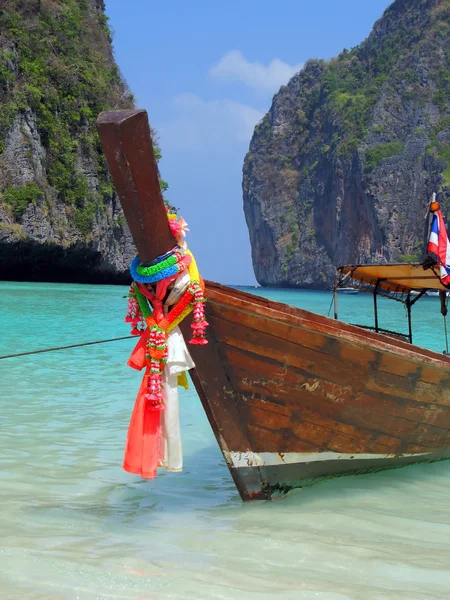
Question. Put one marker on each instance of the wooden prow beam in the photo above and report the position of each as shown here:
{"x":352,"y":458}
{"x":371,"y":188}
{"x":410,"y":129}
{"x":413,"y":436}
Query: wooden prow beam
{"x":127,"y":144}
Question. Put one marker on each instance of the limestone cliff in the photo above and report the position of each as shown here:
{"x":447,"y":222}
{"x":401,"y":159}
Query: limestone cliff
{"x":60,"y":219}
{"x":343,"y":166}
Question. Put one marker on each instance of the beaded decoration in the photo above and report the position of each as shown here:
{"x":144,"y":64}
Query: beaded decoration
{"x":153,"y":323}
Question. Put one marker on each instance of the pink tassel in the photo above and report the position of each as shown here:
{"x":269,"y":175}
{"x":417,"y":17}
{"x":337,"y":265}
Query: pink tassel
{"x":198,"y":341}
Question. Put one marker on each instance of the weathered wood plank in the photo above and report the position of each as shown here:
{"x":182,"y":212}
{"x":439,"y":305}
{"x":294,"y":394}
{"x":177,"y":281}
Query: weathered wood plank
{"x":241,"y":303}
{"x":323,"y":360}
{"x":281,"y":384}
{"x":382,"y":413}
{"x":127,"y":144}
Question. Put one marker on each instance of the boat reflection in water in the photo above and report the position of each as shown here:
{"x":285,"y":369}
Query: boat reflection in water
{"x":434,"y":293}
{"x":347,"y":290}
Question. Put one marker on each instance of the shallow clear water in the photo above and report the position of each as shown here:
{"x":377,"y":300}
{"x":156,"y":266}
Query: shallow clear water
{"x":74,"y":525}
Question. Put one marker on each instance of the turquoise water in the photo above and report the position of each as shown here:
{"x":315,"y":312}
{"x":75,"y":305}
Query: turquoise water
{"x":75,"y":526}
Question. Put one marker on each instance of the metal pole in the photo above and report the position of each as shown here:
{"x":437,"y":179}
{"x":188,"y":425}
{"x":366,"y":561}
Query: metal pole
{"x":335,"y":298}
{"x":445,"y":331}
{"x":443,"y":299}
{"x":375,"y":308}
{"x":408,"y":307}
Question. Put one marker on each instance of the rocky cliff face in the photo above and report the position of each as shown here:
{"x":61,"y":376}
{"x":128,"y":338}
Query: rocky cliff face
{"x":60,"y":219}
{"x":342,"y":167}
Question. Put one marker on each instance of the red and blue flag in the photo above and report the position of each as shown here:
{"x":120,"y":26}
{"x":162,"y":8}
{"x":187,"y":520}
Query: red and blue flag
{"x":439,"y":247}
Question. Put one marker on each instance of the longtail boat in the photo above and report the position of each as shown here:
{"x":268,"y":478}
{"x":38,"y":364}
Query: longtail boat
{"x":294,"y":397}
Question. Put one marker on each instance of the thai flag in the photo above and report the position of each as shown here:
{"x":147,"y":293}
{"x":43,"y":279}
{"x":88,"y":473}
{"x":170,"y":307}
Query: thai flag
{"x":439,"y":246}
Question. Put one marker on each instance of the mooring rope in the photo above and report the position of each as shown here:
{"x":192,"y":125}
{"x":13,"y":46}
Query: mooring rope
{"x":127,"y":337}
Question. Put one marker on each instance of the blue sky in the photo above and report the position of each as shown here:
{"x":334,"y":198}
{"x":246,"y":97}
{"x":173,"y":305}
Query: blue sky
{"x":206,"y":72}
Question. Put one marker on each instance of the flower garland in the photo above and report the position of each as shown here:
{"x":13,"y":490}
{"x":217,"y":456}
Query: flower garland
{"x":142,"y":301}
{"x":135,"y":314}
{"x":178,"y":226}
{"x":172,"y":265}
{"x":146,"y":322}
{"x":192,"y":299}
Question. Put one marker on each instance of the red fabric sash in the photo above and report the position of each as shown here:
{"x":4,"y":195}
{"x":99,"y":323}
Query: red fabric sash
{"x":142,"y":447}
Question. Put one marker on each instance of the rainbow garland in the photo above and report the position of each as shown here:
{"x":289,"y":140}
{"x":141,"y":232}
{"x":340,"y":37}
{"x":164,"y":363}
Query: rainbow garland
{"x":160,"y":272}
{"x":163,"y":267}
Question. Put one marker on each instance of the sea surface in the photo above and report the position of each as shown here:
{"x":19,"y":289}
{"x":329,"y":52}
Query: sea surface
{"x":74,"y":525}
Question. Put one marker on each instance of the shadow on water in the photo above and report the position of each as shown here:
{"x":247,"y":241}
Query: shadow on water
{"x":118,"y":496}
{"x":206,"y":485}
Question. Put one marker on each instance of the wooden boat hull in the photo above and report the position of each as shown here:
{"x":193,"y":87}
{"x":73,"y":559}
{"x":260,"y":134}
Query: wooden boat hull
{"x":294,"y":397}
{"x":269,"y":481}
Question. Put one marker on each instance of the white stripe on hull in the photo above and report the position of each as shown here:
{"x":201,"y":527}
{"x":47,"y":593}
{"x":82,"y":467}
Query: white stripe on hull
{"x":269,"y":459}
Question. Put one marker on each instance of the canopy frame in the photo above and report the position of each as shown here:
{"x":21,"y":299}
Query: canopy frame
{"x":395,"y":288}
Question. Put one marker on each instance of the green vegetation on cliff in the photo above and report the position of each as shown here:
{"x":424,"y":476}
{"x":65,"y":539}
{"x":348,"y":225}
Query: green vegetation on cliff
{"x":60,"y":218}
{"x":346,"y":89}
{"x":18,"y":198}
{"x":58,"y":63}
{"x":377,"y":153}
{"x":351,"y":83}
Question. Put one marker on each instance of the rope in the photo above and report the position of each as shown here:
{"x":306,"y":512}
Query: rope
{"x":127,"y":337}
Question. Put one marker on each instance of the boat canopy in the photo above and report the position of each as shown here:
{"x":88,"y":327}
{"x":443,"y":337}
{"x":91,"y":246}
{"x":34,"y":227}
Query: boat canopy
{"x":404,"y":282}
{"x":397,"y":278}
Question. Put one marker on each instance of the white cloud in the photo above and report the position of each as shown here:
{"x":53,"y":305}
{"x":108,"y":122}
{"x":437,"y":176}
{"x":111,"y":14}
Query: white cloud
{"x":199,"y":124}
{"x":233,"y":66}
